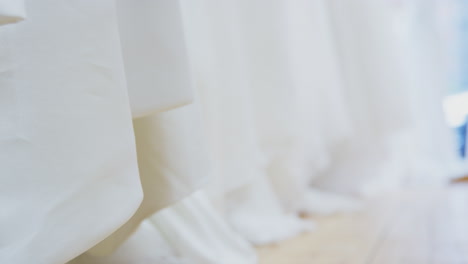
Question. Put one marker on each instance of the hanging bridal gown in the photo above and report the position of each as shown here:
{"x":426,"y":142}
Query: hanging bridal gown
{"x":68,"y":165}
{"x":12,"y":11}
{"x":374,"y":86}
{"x":318,"y":110}
{"x":192,"y":228}
{"x":172,"y":164}
{"x":217,"y":50}
{"x":170,"y":143}
{"x":217,"y":63}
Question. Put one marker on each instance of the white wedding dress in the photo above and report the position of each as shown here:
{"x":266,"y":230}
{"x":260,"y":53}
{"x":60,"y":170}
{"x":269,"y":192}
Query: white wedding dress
{"x":374,"y":88}
{"x":240,"y":188}
{"x":172,"y":163}
{"x":170,"y":144}
{"x":114,"y":114}
{"x":318,"y":120}
{"x":68,"y":165}
{"x":73,"y":137}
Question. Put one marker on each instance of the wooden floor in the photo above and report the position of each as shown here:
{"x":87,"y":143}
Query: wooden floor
{"x":427,"y":226}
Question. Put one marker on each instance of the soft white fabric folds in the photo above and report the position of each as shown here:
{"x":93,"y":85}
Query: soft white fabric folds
{"x":170,"y":145}
{"x":220,"y":43}
{"x":146,"y":246}
{"x":154,"y":53}
{"x":67,"y":151}
{"x":297,"y":102}
{"x":173,"y":163}
{"x":200,"y":234}
{"x":12,"y":11}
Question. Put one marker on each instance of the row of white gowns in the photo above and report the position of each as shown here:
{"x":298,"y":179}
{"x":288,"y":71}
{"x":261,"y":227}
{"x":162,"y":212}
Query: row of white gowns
{"x":114,"y":113}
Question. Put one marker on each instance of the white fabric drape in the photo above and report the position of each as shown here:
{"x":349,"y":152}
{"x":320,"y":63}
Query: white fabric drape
{"x":221,"y":58}
{"x":318,"y":118}
{"x":373,"y":86}
{"x":200,"y":234}
{"x":170,"y":149}
{"x":190,"y":231}
{"x":12,"y":11}
{"x":184,"y":132}
{"x":66,"y":140}
{"x":172,"y":162}
{"x":154,"y":52}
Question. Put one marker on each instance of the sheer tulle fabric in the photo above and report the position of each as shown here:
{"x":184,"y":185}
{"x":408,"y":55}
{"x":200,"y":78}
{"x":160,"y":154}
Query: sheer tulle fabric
{"x":373,"y":87}
{"x":224,"y":78}
{"x":318,"y":111}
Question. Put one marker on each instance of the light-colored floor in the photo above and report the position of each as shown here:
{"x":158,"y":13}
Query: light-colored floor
{"x":427,"y":226}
